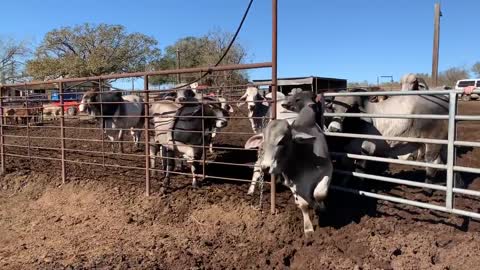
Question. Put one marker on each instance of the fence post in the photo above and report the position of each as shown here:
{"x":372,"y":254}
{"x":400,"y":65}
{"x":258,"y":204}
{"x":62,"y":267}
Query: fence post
{"x":62,"y":129}
{"x":27,"y":97}
{"x":273,"y":182}
{"x":102,"y":123}
{"x":2,"y":123}
{"x":451,"y":149}
{"x":147,"y":135}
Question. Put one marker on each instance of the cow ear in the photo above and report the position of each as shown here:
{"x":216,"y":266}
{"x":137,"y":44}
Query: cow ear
{"x":255,"y":141}
{"x":282,"y":140}
{"x":303,"y":138}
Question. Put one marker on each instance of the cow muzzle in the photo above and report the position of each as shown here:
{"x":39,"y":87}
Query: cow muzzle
{"x":269,"y":167}
{"x":180,"y":99}
{"x":335,"y":126}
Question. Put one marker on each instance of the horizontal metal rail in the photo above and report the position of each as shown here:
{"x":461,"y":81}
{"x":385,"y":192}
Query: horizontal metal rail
{"x":391,"y":160}
{"x":32,"y":156}
{"x":408,"y":202}
{"x":398,"y":93}
{"x":392,"y":180}
{"x":146,"y":73}
{"x":399,"y":116}
{"x":385,"y":138}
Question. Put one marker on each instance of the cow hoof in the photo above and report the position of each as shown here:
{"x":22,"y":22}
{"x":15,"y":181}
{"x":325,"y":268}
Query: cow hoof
{"x":459,"y":183}
{"x":321,"y":208}
{"x":309,"y":234}
{"x":428,"y":192}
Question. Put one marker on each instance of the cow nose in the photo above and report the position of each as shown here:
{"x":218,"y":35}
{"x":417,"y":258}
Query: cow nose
{"x":251,"y":107}
{"x":335,"y":127}
{"x":181,"y":99}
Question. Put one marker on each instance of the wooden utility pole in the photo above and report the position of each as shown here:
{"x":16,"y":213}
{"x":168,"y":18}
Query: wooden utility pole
{"x":436,"y":43}
{"x":178,"y":66}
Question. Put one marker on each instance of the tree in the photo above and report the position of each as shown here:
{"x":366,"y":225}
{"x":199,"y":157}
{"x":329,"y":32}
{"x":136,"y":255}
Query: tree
{"x":450,"y":76}
{"x":12,"y":54}
{"x":204,"y":51}
{"x":476,"y":69}
{"x":91,"y":50}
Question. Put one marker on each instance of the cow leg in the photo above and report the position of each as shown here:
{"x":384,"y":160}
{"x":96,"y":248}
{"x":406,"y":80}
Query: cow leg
{"x":432,"y":155}
{"x":210,"y":146}
{"x":153,"y":151}
{"x":168,"y":164}
{"x":135,"y":143}
{"x":120,"y":140}
{"x":420,"y":153}
{"x":303,"y":205}
{"x":257,"y":171}
{"x":193,"y":169}
{"x":320,"y":192}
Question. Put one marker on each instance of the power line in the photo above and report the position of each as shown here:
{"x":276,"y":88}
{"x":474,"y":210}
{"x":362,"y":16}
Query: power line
{"x":226,"y":50}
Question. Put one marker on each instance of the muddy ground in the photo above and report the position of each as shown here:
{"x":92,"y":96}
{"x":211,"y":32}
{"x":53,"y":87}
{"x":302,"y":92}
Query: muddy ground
{"x":101,"y":219}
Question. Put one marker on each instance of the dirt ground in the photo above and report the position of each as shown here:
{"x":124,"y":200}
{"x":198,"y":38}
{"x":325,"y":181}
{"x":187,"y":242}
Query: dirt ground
{"x":101,"y":219}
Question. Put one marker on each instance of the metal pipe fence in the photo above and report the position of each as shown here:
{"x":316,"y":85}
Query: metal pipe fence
{"x":451,"y":143}
{"x":81,"y":141}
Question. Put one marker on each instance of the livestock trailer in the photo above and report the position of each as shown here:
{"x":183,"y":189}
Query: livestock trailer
{"x":313,"y":83}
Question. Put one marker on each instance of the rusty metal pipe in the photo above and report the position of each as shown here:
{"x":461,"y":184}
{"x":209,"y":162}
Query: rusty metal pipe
{"x":150,"y":73}
{"x":2,"y":142}
{"x":274,"y":93}
{"x":62,"y":131}
{"x":147,"y":136}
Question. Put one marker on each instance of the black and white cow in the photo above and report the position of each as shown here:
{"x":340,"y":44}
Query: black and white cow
{"x":297,"y":152}
{"x":117,"y":113}
{"x":190,"y":95}
{"x":178,"y":129}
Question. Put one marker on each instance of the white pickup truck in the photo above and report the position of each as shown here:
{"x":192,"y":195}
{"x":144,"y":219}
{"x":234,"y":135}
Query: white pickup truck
{"x":461,"y":84}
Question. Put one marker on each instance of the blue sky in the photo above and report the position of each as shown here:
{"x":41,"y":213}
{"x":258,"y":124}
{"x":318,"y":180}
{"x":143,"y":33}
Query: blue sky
{"x":353,"y":39}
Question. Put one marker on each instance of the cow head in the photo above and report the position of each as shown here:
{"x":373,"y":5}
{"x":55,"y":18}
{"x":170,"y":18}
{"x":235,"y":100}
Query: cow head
{"x":252,"y":98}
{"x":344,"y":104}
{"x":277,"y":142}
{"x":221,"y":116}
{"x":298,"y":101}
{"x":185,"y":95}
{"x":224,"y":104}
{"x":96,"y":103}
{"x":409,"y":82}
{"x":87,"y":105}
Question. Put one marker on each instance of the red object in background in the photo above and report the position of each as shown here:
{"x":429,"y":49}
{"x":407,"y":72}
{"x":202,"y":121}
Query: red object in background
{"x":66,"y":104}
{"x":204,"y":89}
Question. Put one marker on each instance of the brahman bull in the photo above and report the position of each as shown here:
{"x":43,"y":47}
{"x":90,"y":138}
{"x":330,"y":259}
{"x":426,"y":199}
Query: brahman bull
{"x":297,"y":152}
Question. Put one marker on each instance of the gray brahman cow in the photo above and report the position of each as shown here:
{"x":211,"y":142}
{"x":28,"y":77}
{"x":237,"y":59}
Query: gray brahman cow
{"x":297,"y":152}
{"x":416,"y":128}
{"x":259,"y":111}
{"x":117,"y":113}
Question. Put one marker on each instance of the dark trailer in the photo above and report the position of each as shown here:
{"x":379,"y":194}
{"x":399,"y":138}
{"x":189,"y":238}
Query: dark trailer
{"x":315,"y":84}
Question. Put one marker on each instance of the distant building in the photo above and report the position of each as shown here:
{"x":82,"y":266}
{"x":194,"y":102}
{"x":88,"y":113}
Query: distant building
{"x":312,"y":83}
{"x":49,"y":91}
